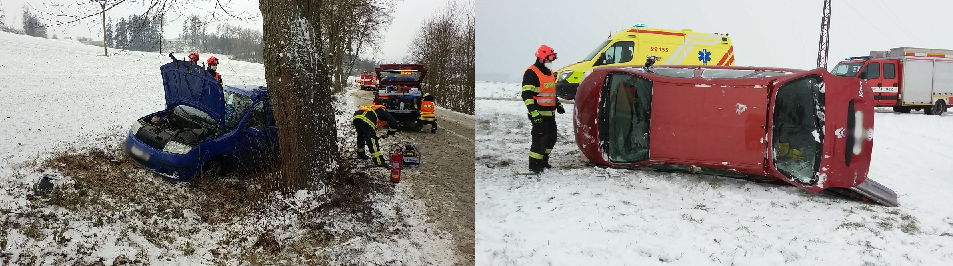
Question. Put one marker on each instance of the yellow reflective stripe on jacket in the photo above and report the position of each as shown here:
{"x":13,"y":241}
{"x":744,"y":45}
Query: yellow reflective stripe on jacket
{"x":368,"y":120}
{"x":535,"y":155}
{"x":529,"y":101}
{"x":547,"y":113}
{"x":531,"y":88}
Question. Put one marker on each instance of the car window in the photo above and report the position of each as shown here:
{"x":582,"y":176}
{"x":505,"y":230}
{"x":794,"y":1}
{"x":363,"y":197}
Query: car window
{"x":890,"y":71}
{"x":628,"y":117}
{"x":725,"y":73}
{"x":257,"y":119}
{"x":619,"y":52}
{"x":596,"y":51}
{"x":847,"y":69}
{"x":873,"y":70}
{"x":797,"y":133}
{"x":236,"y":105}
{"x":674,"y":72}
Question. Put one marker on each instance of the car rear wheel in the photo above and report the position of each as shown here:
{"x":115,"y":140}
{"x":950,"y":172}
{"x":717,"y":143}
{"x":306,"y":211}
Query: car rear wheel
{"x":901,"y":109}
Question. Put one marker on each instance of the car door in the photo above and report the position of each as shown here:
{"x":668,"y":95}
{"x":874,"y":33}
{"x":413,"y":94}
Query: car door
{"x":254,"y":144}
{"x":888,"y":85}
{"x":871,"y":74}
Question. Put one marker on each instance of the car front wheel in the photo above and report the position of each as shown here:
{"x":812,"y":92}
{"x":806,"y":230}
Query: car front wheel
{"x":212,"y":169}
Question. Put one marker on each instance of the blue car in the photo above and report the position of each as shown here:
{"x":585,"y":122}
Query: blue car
{"x":206,"y":129}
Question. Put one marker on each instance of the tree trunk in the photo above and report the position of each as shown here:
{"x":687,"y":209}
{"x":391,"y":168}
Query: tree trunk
{"x":299,"y":90}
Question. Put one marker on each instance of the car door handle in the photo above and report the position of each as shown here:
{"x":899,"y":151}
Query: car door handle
{"x":894,"y":84}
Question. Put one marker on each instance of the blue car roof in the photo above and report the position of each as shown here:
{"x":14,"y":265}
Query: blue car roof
{"x":252,"y":91}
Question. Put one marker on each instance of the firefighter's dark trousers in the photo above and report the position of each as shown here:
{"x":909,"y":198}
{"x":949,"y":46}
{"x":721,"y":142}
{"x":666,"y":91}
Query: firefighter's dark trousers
{"x":544,"y":139}
{"x":367,"y":136}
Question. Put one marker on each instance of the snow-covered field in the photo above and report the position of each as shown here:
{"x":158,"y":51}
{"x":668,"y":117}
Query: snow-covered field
{"x":576,"y":214}
{"x":496,"y":90}
{"x":56,"y":94}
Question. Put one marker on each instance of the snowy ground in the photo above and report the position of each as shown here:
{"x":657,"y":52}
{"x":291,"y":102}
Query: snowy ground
{"x":64,"y":98}
{"x":575,"y":214}
{"x":496,"y":90}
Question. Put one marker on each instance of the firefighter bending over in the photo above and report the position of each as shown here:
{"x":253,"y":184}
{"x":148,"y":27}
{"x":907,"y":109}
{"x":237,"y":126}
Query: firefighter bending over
{"x":427,"y":115}
{"x":539,"y":94}
{"x":367,"y":120}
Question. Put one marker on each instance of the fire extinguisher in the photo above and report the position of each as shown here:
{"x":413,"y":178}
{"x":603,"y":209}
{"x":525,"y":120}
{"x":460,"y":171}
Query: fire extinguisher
{"x":396,"y":162}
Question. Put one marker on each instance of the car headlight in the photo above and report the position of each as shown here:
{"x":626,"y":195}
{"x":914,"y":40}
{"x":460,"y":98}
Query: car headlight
{"x":175,"y":147}
{"x":565,"y":75}
{"x":135,"y":127}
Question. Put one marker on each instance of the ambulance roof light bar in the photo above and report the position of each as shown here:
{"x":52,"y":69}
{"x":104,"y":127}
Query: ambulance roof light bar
{"x":640,"y":25}
{"x":865,"y":58}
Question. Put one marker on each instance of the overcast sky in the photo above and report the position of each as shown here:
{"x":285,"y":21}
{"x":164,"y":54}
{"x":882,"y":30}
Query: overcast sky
{"x":778,"y":33}
{"x":409,"y":14}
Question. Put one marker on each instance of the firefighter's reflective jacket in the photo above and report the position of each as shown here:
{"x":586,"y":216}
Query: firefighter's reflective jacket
{"x":376,"y":116}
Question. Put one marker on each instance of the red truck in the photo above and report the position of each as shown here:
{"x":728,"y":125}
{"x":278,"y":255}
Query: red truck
{"x":905,"y":78}
{"x":368,"y":81}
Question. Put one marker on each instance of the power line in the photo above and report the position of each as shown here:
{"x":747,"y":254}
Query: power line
{"x":870,"y":23}
{"x":900,"y":24}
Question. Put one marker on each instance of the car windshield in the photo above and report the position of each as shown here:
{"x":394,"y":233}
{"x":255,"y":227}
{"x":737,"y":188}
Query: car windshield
{"x":400,"y":75}
{"x":798,"y":129}
{"x":195,"y":115}
{"x":596,"y":51}
{"x":627,"y":124}
{"x":235,"y":107}
{"x":847,"y":69}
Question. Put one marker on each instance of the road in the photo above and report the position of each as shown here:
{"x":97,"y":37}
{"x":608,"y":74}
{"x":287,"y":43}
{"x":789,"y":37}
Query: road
{"x":445,"y":178}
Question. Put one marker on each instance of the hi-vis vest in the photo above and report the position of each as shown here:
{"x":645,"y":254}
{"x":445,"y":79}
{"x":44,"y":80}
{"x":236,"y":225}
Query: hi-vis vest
{"x":427,"y":109}
{"x":218,"y":77}
{"x":370,"y":108}
{"x":547,"y":88}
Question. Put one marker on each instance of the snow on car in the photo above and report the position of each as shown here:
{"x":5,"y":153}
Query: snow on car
{"x":206,"y":128}
{"x":734,"y":121}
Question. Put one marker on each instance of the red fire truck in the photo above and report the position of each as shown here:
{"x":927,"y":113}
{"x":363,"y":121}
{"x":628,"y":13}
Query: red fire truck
{"x":368,"y":81}
{"x":905,"y":78}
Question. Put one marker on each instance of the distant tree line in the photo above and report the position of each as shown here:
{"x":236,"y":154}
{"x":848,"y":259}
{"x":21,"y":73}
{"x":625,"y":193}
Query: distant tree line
{"x":446,"y":45}
{"x":31,"y":24}
{"x":136,"y":33}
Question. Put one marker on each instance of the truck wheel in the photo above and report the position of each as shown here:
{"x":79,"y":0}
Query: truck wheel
{"x":929,"y":110}
{"x":901,"y":109}
{"x":939,"y":107}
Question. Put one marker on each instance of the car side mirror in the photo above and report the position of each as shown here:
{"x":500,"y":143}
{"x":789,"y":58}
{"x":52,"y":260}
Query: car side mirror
{"x":863,"y":75}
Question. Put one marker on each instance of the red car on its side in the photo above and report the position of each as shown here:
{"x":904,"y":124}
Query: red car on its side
{"x":810,"y":129}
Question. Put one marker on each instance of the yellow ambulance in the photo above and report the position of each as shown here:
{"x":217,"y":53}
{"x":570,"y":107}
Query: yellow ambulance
{"x":632,"y":46}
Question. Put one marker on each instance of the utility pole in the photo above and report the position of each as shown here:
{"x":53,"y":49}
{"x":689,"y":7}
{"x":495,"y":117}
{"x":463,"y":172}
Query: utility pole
{"x":105,"y":41}
{"x":823,"y":43}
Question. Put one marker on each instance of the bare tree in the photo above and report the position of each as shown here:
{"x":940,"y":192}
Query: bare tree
{"x":445,"y":44}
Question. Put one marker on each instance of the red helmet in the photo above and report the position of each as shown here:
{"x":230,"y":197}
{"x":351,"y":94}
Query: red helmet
{"x":546,"y":53}
{"x":212,"y":61}
{"x":194,"y":56}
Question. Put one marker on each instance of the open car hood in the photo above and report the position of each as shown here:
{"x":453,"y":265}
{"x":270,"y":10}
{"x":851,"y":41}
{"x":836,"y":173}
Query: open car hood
{"x":186,"y":83}
{"x":401,"y":80}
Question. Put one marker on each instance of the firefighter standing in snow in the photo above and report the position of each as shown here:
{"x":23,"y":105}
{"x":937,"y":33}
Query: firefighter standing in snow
{"x":212,"y":67}
{"x":366,"y":121}
{"x":539,"y":94}
{"x":427,"y":115}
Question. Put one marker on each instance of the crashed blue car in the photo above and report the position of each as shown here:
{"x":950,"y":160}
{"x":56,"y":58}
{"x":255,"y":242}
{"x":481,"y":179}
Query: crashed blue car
{"x":206,"y":129}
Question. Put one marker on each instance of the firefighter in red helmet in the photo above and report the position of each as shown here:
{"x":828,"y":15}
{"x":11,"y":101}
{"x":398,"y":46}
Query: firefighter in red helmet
{"x":539,"y":95}
{"x":212,"y":63}
{"x":194,"y":57}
